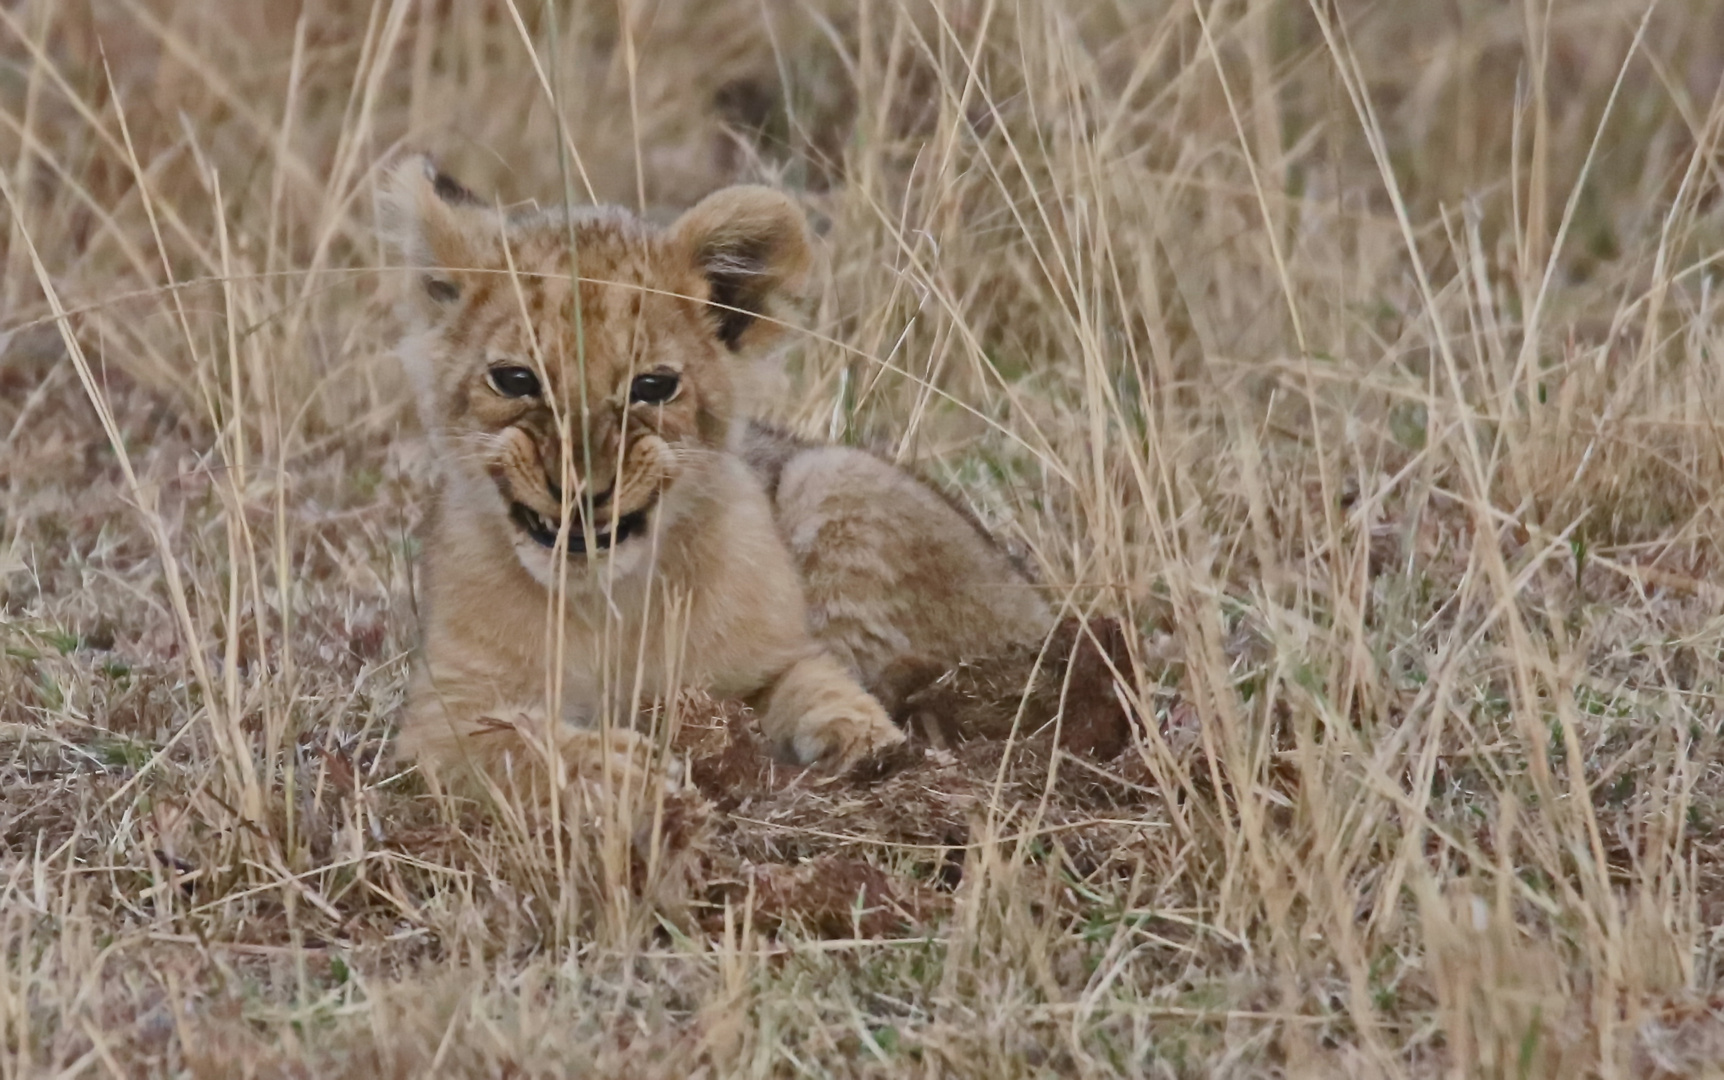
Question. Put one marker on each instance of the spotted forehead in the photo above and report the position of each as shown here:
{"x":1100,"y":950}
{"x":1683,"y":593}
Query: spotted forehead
{"x":637,"y":290}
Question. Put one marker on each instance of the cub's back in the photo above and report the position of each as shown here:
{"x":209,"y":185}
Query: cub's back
{"x":893,"y":570}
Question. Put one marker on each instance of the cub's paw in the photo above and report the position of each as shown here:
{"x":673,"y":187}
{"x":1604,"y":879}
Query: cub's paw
{"x":845,"y":734}
{"x":818,"y":714}
{"x":515,"y":755}
{"x":622,"y":758}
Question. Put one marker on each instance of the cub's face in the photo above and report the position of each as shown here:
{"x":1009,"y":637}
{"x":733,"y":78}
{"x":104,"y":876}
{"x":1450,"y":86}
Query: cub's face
{"x":579,"y":420}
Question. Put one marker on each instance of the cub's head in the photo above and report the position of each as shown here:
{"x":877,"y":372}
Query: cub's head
{"x":576,"y":420}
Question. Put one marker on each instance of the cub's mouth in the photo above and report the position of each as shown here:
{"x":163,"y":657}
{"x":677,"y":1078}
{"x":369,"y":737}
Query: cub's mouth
{"x":543,"y":530}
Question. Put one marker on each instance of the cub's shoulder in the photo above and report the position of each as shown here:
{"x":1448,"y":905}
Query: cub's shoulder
{"x":766,"y":450}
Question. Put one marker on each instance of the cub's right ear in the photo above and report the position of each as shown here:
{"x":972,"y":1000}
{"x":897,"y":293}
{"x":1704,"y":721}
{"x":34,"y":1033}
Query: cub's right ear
{"x":433,"y":224}
{"x":751,"y":245}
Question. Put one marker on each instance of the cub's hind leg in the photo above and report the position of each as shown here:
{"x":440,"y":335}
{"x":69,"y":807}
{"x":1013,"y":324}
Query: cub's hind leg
{"x":891,"y":571}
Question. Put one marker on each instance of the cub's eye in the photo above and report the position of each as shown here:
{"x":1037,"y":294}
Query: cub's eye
{"x":512,"y":381}
{"x":655,"y":387}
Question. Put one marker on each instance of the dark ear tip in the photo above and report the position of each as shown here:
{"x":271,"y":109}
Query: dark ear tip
{"x":441,"y":290}
{"x":446,"y":187}
{"x":449,"y":189}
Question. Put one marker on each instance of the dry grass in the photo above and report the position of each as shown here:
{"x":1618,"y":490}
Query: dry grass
{"x":1362,"y":356}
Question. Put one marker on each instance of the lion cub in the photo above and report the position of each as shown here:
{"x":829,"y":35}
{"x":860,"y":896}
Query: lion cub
{"x":610,"y":527}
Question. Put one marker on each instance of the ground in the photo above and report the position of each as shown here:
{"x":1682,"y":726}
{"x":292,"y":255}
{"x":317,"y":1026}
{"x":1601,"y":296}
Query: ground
{"x":1346,"y":371}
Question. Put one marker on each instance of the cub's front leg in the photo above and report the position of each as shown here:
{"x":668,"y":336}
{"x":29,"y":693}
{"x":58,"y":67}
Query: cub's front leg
{"x":751,"y":626}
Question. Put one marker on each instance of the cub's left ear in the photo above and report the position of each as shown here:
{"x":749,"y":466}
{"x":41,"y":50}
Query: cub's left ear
{"x":751,"y":243}
{"x":435,"y":226}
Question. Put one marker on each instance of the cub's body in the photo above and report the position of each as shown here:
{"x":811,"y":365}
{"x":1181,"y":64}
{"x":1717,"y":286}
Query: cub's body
{"x":610,"y":527}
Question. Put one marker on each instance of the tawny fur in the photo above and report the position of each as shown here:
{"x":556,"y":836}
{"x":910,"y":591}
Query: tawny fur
{"x":788,"y":575}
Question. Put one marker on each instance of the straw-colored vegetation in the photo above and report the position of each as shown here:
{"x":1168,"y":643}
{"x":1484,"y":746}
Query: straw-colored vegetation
{"x":1362,"y":357}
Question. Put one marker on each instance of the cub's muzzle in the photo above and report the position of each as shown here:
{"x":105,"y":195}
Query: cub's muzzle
{"x":621,"y":513}
{"x":543,"y":531}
